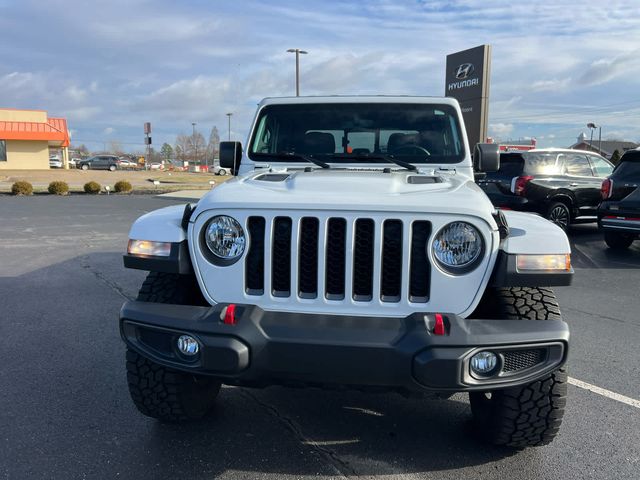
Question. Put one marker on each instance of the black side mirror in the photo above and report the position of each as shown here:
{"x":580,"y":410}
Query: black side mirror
{"x":230,"y":156}
{"x":486,"y":157}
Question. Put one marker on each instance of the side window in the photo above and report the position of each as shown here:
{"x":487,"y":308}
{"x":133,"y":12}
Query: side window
{"x":601,"y":167}
{"x":578,"y":165}
{"x":3,"y":151}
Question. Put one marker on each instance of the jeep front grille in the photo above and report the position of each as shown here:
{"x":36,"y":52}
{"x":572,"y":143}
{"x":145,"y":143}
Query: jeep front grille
{"x":336,"y":258}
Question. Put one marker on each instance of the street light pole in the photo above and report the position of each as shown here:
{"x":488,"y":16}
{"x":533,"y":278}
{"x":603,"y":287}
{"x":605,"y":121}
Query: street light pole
{"x":229,"y":118}
{"x":298,"y":52}
{"x":593,"y":126}
{"x":195,"y":144}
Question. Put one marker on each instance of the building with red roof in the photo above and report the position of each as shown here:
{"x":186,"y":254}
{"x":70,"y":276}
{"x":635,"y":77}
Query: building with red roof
{"x":26,"y":137}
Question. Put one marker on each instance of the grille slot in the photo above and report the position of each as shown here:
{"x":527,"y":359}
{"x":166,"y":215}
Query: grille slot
{"x":516,"y":360}
{"x":363,"y":260}
{"x":335,"y":257}
{"x":281,"y":257}
{"x":419,"y":268}
{"x":308,"y":258}
{"x":254,"y":265}
{"x":391,"y":280}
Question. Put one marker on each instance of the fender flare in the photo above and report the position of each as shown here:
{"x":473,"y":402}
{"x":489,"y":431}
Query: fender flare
{"x":530,"y":234}
{"x":166,"y":225}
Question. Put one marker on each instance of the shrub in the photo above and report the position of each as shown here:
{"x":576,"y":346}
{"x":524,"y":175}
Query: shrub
{"x":122,"y":186}
{"x":22,"y":188}
{"x":92,"y":187}
{"x":58,"y":188}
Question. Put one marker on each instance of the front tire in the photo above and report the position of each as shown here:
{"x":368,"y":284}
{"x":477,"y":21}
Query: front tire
{"x":617,"y":240}
{"x":530,"y":414}
{"x":160,"y":392}
{"x":85,"y":167}
{"x":112,"y":168}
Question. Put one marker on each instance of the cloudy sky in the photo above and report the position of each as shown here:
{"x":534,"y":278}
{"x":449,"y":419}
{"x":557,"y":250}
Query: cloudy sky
{"x":110,"y":66}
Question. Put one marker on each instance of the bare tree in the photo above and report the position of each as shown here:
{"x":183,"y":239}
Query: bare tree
{"x":115,"y":147}
{"x":182,"y":147}
{"x":213,"y":148}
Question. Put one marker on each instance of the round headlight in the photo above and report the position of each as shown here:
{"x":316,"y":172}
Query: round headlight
{"x":225,"y":238}
{"x":458,"y":247}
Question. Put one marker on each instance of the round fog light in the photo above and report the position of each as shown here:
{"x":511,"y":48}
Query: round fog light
{"x":188,"y":345}
{"x":484,"y":363}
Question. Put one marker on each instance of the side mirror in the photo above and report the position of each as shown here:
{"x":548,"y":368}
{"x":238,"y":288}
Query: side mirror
{"x":230,"y":156}
{"x":486,"y":157}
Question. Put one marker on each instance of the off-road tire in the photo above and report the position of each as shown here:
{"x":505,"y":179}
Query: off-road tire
{"x":160,"y":392}
{"x":167,"y":394}
{"x":617,"y":240}
{"x":528,"y":415}
{"x":160,"y":287}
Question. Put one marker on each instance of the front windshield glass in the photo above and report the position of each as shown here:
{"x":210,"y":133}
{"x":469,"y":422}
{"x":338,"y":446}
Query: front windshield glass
{"x":358,"y":132}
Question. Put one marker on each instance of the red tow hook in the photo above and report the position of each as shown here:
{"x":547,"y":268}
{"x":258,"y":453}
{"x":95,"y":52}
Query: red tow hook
{"x":230,"y":314}
{"x":439,"y":328}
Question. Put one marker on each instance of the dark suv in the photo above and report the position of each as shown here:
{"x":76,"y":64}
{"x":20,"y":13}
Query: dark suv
{"x":560,"y":184}
{"x":619,"y":212}
{"x":100,"y":162}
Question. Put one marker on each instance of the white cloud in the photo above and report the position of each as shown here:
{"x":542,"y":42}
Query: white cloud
{"x":500,"y":130}
{"x":108,"y":131}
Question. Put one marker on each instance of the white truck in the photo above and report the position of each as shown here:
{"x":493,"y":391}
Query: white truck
{"x":353,"y":250}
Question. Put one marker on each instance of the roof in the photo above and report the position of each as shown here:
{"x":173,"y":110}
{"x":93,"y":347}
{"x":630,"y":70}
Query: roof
{"x":359,"y":99}
{"x":563,"y":150}
{"x":55,"y":130}
{"x":608,"y":146}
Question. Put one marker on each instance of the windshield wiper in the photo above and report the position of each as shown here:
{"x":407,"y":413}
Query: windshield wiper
{"x":378,"y":156}
{"x":307,"y":158}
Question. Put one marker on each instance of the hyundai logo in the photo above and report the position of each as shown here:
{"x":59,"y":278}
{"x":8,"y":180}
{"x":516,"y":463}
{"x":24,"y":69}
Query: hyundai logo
{"x":464,"y":70}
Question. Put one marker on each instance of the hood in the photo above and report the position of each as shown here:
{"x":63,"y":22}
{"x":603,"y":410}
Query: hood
{"x":352,"y":189}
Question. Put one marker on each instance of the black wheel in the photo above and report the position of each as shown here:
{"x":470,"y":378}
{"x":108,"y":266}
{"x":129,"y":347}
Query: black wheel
{"x":112,"y":168}
{"x":617,"y":240}
{"x":160,"y":392}
{"x":84,"y":167}
{"x":528,"y":415}
{"x":222,"y":172}
{"x":559,"y":214}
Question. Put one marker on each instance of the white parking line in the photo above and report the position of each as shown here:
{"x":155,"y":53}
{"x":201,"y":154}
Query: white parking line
{"x":604,"y":392}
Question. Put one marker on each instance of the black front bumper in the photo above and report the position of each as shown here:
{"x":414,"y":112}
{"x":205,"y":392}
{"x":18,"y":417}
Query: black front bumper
{"x":265,"y":348}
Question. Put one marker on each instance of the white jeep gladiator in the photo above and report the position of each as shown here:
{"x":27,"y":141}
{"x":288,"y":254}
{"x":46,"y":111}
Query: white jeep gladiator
{"x":352,"y":250}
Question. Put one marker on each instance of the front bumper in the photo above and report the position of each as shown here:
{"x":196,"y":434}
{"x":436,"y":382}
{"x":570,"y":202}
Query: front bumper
{"x":265,"y":348}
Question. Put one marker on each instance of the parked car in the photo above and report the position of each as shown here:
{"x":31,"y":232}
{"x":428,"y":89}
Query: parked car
{"x":100,"y":162}
{"x":55,"y":161}
{"x":156,"y":166}
{"x":73,"y":162}
{"x":126,"y":163}
{"x":217,"y":170}
{"x":560,"y":184}
{"x":619,"y":212}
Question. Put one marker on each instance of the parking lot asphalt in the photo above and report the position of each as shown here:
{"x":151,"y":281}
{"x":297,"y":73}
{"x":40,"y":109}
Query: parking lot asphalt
{"x":65,"y":410}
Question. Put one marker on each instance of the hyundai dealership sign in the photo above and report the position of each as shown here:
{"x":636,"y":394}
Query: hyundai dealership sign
{"x":467,"y":80}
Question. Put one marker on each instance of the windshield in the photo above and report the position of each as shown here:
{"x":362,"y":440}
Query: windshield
{"x":357,"y":132}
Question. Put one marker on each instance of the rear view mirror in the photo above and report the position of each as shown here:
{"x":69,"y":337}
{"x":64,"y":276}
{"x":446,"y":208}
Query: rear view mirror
{"x":230,"y":156}
{"x":486,"y":157}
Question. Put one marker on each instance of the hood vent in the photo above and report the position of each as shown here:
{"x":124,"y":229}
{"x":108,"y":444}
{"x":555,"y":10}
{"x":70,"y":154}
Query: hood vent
{"x":423,"y":180}
{"x":273,"y":177}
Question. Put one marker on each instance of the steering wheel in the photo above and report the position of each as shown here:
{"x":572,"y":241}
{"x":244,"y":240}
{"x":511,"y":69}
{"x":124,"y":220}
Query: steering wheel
{"x":412,"y":149}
